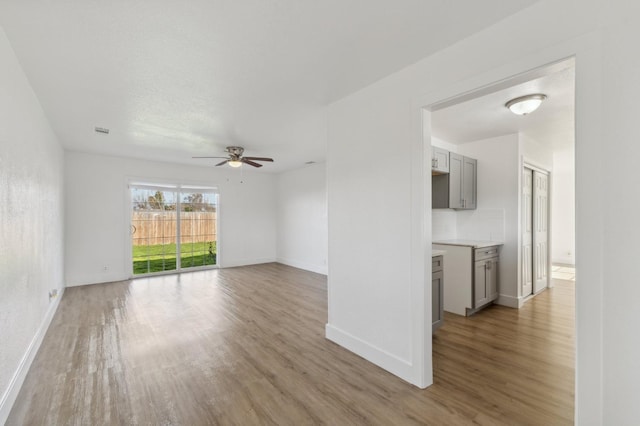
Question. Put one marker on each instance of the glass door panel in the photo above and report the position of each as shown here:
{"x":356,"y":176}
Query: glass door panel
{"x":153,"y":230}
{"x":198,"y":221}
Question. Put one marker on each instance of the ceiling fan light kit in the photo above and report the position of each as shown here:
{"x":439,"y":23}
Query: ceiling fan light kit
{"x":525,"y":104}
{"x":235,"y":158}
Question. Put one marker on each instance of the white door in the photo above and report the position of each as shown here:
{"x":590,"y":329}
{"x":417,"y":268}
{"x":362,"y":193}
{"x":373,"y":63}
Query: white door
{"x":527,"y":231}
{"x":541,"y":230}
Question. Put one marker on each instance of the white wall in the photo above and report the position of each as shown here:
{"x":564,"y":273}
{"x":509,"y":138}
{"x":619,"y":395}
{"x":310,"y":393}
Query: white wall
{"x":535,"y":153}
{"x":496,"y":217}
{"x":619,"y":205}
{"x":370,"y":226}
{"x":563,"y":237}
{"x":31,"y":225}
{"x":97,"y":221}
{"x":377,"y":309}
{"x":302,"y":218}
{"x":444,"y":224}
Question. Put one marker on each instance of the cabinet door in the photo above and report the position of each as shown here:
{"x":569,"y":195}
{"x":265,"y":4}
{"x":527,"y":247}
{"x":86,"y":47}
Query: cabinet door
{"x":491,"y":274}
{"x":439,"y":160}
{"x":437,"y":302}
{"x":455,"y":181}
{"x":479,"y":284}
{"x":469,"y":182}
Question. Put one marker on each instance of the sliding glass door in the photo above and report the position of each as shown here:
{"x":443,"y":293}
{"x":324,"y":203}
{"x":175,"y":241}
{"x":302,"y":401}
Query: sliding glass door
{"x":198,"y":235}
{"x":172,"y":228}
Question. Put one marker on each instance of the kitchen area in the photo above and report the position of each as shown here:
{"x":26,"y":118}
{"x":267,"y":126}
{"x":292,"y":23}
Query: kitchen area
{"x":465,"y":270}
{"x":492,"y":190}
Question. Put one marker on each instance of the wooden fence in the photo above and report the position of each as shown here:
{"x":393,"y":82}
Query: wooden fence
{"x":160,"y":227}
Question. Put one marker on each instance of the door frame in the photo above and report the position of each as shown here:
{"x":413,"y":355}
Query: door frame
{"x":587,"y":51}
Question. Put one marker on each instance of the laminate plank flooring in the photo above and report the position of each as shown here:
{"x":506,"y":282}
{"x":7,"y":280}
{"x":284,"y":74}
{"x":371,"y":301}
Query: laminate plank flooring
{"x":245,"y":346}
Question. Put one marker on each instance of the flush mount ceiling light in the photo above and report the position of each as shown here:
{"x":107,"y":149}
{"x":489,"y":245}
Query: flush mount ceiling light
{"x":525,"y":104}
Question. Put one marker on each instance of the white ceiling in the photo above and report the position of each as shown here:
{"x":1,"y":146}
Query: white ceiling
{"x":173,"y":79}
{"x":483,"y":117}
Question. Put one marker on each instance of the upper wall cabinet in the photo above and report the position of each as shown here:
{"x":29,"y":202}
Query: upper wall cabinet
{"x":458,"y":188}
{"x":439,"y":161}
{"x":469,"y":183}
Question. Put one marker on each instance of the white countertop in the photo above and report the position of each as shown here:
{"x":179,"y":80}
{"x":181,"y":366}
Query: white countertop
{"x":435,"y":253}
{"x":468,"y":243}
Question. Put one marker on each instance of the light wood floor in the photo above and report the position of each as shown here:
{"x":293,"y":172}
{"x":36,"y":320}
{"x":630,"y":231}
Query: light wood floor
{"x":246,"y":346}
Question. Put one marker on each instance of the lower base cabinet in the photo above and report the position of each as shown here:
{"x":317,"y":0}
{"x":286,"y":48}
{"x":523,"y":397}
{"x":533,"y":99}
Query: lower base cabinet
{"x":437,"y":293}
{"x":485,"y":276}
{"x":472,"y":276}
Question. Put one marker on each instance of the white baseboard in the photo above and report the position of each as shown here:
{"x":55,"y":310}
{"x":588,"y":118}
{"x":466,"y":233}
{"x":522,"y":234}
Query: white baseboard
{"x":377,"y":356}
{"x":95,"y":279}
{"x":563,"y":261}
{"x":245,"y":262}
{"x":318,"y":269}
{"x":11,"y":393}
{"x":509,"y":301}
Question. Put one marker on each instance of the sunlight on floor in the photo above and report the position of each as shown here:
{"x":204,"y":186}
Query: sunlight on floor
{"x":563,"y":273}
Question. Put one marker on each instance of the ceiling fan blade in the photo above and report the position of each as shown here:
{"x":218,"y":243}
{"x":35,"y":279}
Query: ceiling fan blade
{"x":209,"y":157}
{"x":259,"y":159}
{"x":251,"y":163}
{"x":222,"y":162}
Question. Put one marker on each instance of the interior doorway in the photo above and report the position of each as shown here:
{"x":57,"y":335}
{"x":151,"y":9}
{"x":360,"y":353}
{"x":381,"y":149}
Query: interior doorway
{"x":535,"y":230}
{"x":478,"y":124}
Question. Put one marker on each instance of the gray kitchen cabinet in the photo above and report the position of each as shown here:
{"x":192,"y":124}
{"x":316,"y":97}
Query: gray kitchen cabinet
{"x":469,"y":183}
{"x":439,"y":160}
{"x":437,"y":293}
{"x":458,"y":188}
{"x":455,"y":181}
{"x":485,"y":276}
{"x":472,"y":274}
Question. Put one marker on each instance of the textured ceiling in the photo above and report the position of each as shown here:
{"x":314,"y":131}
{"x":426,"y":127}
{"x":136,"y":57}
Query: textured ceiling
{"x":172,"y":79}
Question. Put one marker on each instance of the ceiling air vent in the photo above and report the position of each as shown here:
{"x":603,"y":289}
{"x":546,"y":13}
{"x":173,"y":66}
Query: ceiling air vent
{"x":102,"y":130}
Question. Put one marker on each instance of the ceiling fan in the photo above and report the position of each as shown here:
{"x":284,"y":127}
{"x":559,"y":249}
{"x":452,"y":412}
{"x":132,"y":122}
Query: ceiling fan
{"x":235,"y":158}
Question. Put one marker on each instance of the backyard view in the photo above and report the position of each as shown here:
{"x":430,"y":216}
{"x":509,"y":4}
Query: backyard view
{"x":162,"y":217}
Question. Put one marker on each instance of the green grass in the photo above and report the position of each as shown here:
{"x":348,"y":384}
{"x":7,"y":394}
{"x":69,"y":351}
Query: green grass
{"x":162,"y":257}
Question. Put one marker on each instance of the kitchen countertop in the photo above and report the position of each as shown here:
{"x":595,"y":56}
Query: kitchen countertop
{"x":435,"y":253}
{"x":468,"y":243}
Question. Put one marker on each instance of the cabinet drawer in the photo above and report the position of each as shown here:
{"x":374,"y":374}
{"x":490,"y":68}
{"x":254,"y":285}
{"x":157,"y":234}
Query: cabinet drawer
{"x":436,"y":264}
{"x":486,"y":253}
